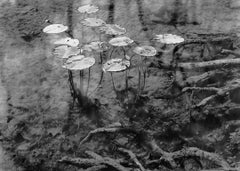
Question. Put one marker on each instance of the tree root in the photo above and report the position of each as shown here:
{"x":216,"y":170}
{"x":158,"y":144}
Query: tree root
{"x":133,"y":157}
{"x":96,"y":168}
{"x":213,"y":63}
{"x":96,"y":162}
{"x":169,"y":157}
{"x":219,"y":92}
{"x":222,"y":169}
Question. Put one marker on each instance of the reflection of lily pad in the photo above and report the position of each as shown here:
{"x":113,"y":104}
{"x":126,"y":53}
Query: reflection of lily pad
{"x":169,"y":38}
{"x":89,"y":9}
{"x":115,"y":65}
{"x":79,"y":63}
{"x":67,"y":41}
{"x":65,"y":51}
{"x":55,"y":28}
{"x":93,"y":22}
{"x":95,"y":46}
{"x":145,"y":50}
{"x":121,"y":41}
{"x":113,"y":29}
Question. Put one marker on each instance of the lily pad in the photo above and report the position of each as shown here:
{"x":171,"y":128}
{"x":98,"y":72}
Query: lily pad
{"x":75,"y":58}
{"x":169,"y":39}
{"x":65,"y":51}
{"x":67,"y":41}
{"x":121,"y":41}
{"x":89,"y":9}
{"x":95,"y":46}
{"x":93,"y":22}
{"x":113,"y":29}
{"x":79,"y":63}
{"x":55,"y":28}
{"x":116,"y":65}
{"x":145,"y":50}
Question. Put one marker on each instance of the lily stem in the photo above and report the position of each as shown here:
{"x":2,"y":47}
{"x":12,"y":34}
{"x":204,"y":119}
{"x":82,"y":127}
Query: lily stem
{"x":81,"y":82}
{"x":88,"y":83}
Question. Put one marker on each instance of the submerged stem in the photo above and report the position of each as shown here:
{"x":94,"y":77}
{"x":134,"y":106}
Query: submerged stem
{"x":139,"y":80}
{"x":144,"y":72}
{"x":112,"y":52}
{"x":81,"y":82}
{"x":72,"y":89}
{"x":126,"y":79}
{"x":89,"y":76}
{"x":114,"y":88}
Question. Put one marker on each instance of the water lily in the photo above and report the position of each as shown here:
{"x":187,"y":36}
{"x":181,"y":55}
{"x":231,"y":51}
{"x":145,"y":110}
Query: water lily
{"x":95,"y":46}
{"x":121,"y":41}
{"x":116,"y":65}
{"x":55,"y":28}
{"x":145,"y":50}
{"x":89,"y":9}
{"x":113,"y":29}
{"x":67,"y":41}
{"x":79,"y":63}
{"x":169,"y":38}
{"x":65,"y":51}
{"x":93,"y":22}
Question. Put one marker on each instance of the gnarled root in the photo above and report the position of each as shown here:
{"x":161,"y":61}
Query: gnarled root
{"x":133,"y":157}
{"x":96,"y":162}
{"x":169,"y":157}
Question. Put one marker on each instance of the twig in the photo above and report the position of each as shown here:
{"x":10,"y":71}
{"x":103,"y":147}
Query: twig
{"x":133,"y":157}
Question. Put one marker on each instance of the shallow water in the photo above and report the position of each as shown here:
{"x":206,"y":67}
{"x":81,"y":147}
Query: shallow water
{"x":32,"y":83}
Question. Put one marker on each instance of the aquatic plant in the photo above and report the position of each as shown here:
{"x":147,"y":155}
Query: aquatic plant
{"x":55,"y":28}
{"x":121,"y":41}
{"x":80,"y":63}
{"x":144,"y":52}
{"x":93,"y":22}
{"x":67,"y":41}
{"x":116,"y":65}
{"x":89,"y":9}
{"x":113,"y":29}
{"x":65,"y":51}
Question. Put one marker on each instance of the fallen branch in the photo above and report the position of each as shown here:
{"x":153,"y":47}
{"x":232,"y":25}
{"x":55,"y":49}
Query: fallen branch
{"x":133,"y":157}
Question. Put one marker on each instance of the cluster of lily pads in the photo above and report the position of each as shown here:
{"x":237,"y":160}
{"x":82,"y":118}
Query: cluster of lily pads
{"x":74,"y":57}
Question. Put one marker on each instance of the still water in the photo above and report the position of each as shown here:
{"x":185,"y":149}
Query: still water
{"x":143,"y":19}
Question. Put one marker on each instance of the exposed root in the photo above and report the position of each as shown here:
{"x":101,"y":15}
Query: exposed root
{"x":96,"y":168}
{"x":96,"y":131}
{"x":133,"y":157}
{"x":97,"y":162}
{"x":222,"y":169}
{"x":213,"y":63}
{"x":150,"y":143}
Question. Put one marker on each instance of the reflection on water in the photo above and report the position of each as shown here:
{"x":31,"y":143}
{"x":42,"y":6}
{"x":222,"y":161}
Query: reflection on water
{"x":143,"y":19}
